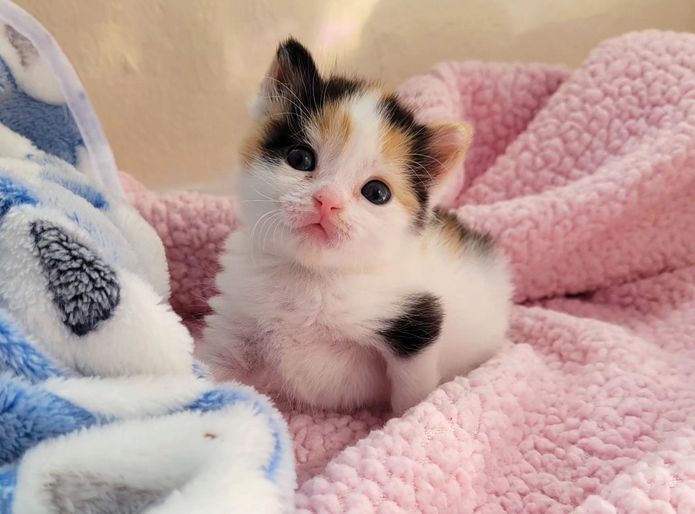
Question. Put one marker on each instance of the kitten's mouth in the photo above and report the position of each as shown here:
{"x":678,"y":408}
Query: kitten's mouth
{"x":321,"y":231}
{"x":317,"y":233}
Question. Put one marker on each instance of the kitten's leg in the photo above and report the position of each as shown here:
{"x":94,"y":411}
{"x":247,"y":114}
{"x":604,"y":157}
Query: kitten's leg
{"x":412,"y":349}
{"x":227,"y":355}
{"x":412,"y":378}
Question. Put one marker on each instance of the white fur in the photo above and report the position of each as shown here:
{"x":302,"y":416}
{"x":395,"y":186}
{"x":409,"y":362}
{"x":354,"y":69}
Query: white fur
{"x":302,"y":320}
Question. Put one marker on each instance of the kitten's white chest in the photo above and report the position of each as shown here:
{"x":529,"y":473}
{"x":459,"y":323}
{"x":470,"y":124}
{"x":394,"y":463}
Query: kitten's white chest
{"x":309,"y":337}
{"x":322,"y":363}
{"x":299,"y":303}
{"x":315,"y":309}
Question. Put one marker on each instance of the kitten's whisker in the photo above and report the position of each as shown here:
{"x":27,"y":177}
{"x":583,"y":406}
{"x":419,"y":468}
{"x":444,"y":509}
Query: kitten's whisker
{"x":273,"y":220}
{"x":263,"y":195}
{"x":283,"y":113}
{"x":261,"y":234}
{"x":265,"y":181}
{"x":277,"y":225}
{"x":284,"y":98}
{"x":313,"y":92}
{"x":260,"y":237}
{"x":431,"y":159}
{"x":288,"y":89}
{"x":323,"y":96}
{"x":292,"y":103}
{"x":427,"y":172}
{"x":298,"y":104}
{"x":266,"y":231}
{"x":253,"y":230}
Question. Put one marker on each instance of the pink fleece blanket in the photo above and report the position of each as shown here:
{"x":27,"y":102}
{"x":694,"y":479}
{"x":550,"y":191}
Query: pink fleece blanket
{"x":587,"y":178}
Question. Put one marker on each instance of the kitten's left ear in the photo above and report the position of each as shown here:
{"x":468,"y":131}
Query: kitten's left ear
{"x":449,"y":142}
{"x":291,"y":76}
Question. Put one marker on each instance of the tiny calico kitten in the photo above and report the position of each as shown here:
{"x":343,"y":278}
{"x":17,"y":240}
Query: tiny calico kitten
{"x":345,"y":288}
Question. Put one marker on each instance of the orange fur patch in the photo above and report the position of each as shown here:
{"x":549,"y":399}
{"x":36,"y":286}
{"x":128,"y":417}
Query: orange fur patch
{"x":455,"y":235}
{"x":395,"y":149}
{"x":333,"y":126}
{"x":451,"y":234}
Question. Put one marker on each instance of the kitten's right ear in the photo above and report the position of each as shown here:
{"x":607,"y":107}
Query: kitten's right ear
{"x":291,"y":76}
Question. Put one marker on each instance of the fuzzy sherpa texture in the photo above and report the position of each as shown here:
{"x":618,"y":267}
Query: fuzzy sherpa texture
{"x":587,"y":179}
{"x":102,"y":406}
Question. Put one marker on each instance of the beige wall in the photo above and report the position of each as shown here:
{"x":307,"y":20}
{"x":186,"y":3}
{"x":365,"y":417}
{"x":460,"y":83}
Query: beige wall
{"x":171,"y":79}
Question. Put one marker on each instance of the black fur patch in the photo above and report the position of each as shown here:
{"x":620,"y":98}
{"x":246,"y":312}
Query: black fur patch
{"x":418,"y":326}
{"x":306,"y":93}
{"x":396,"y":114}
{"x":481,"y":242}
{"x":293,"y":58}
{"x":421,"y":164}
{"x":84,"y":288}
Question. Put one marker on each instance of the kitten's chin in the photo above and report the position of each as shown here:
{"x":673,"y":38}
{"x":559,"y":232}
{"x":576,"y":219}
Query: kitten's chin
{"x":318,"y":254}
{"x":317,"y":243}
{"x":314,"y":255}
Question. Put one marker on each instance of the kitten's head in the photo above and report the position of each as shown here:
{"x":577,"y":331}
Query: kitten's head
{"x":337,"y":172}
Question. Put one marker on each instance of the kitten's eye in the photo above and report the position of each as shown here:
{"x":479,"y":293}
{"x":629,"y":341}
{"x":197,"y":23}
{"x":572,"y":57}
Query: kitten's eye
{"x":301,"y":158}
{"x":376,"y":192}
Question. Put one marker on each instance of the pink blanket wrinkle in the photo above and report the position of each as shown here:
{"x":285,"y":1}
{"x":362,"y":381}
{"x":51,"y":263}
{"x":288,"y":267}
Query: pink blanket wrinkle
{"x":587,"y":180}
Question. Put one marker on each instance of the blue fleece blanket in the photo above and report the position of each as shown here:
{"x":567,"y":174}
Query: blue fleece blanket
{"x":102,"y":406}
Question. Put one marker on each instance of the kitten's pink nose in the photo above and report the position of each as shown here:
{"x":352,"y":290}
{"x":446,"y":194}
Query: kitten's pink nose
{"x":328,"y":202}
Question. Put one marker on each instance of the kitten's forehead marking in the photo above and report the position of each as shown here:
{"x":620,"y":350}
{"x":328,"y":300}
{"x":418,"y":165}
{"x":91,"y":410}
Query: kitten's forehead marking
{"x":333,"y":127}
{"x":366,"y":136}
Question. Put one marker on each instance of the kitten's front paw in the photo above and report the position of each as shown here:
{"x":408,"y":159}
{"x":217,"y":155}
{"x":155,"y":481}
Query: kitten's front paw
{"x":410,"y":385}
